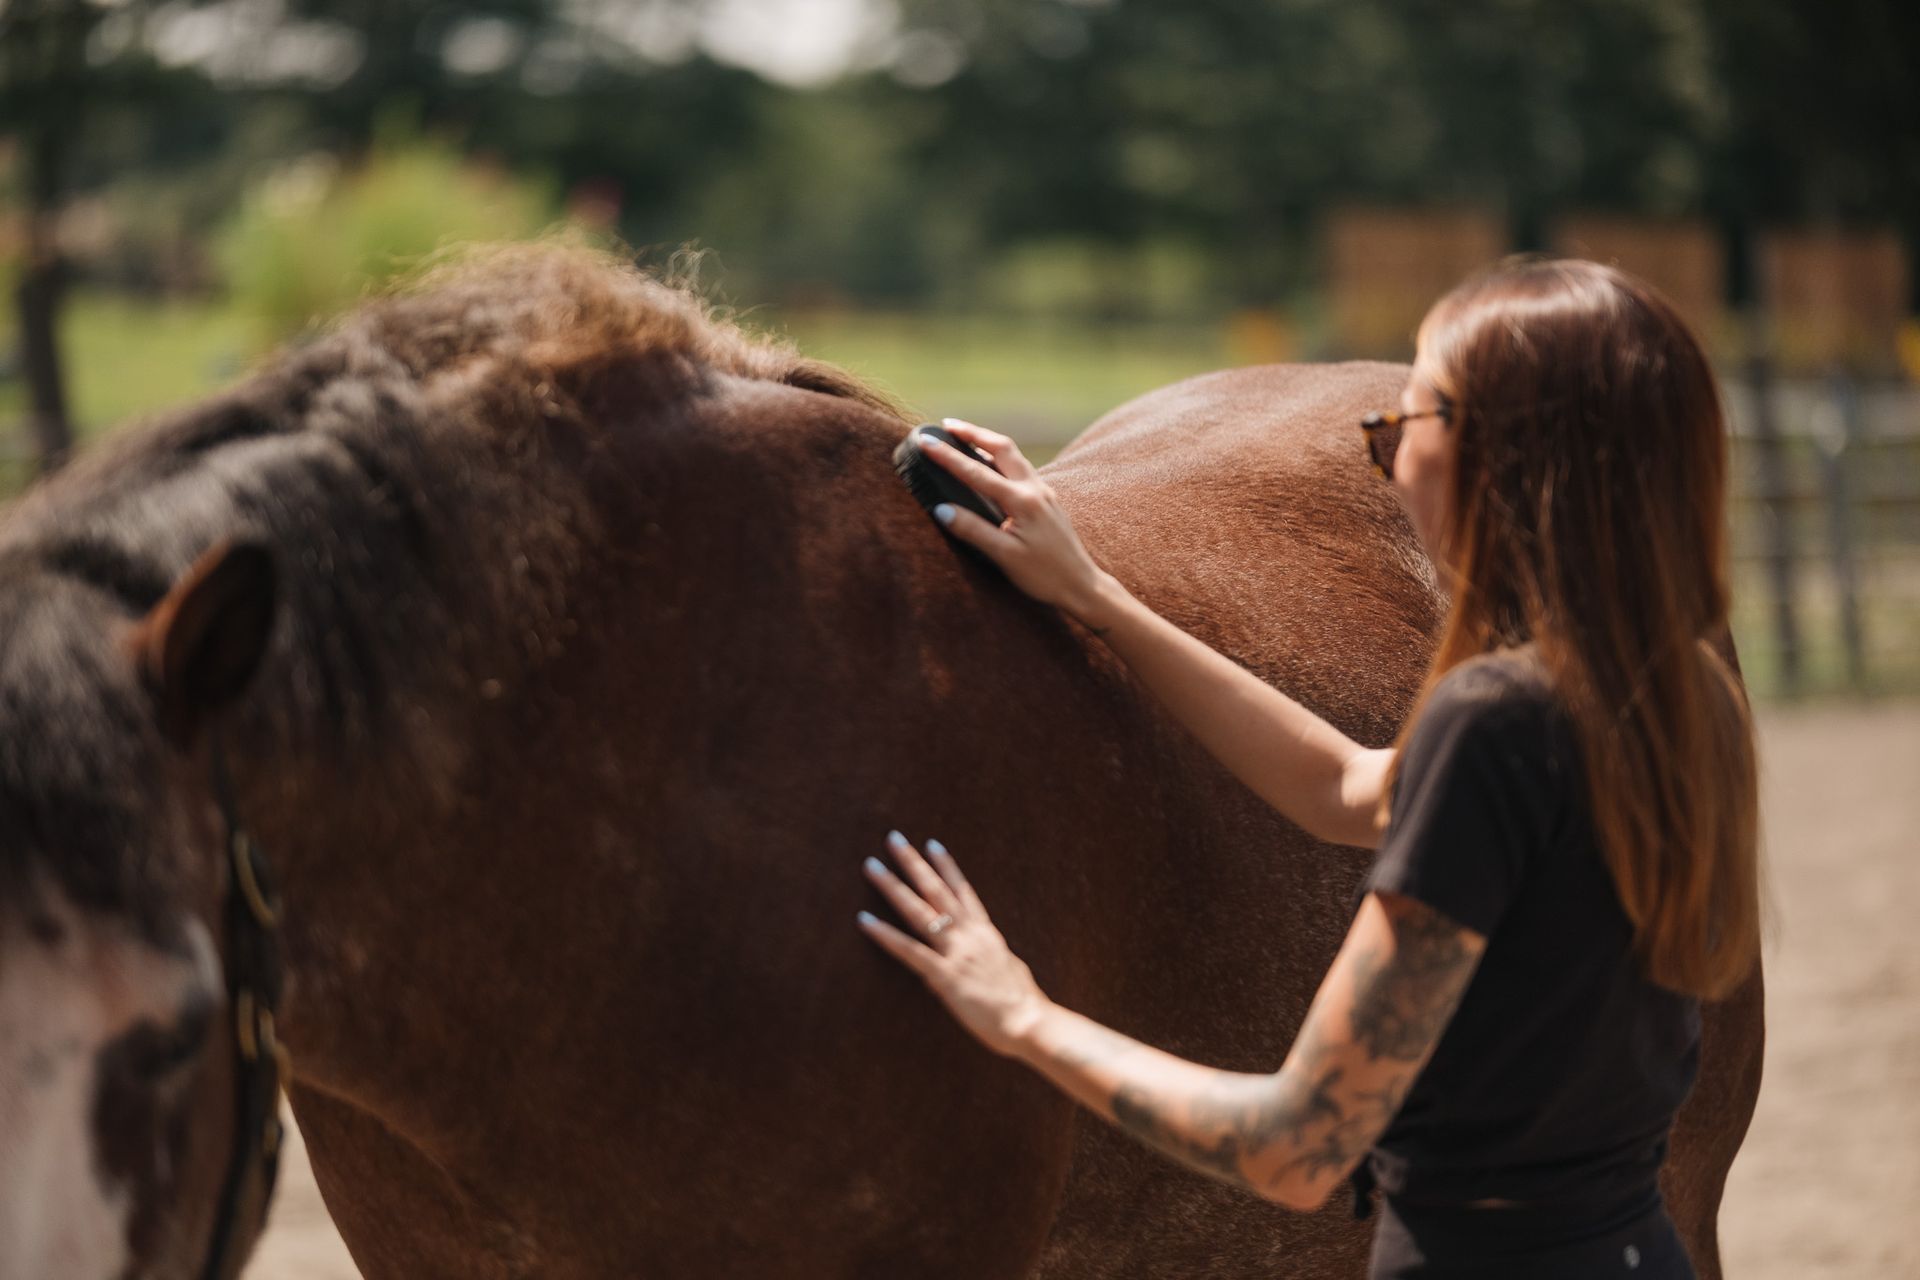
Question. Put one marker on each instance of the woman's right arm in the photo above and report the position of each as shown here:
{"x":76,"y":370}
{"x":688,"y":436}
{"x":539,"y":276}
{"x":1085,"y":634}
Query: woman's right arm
{"x":1304,"y":767}
{"x":1323,"y":780}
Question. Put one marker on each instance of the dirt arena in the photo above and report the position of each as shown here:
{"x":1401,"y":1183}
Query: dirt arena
{"x":1829,"y":1181}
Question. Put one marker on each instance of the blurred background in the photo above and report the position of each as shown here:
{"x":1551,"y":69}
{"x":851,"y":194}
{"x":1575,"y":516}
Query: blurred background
{"x":1025,"y":211}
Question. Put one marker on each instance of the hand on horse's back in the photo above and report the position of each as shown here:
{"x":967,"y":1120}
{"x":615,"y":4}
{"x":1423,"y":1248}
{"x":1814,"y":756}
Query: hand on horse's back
{"x":1036,"y":547}
{"x":963,"y":959}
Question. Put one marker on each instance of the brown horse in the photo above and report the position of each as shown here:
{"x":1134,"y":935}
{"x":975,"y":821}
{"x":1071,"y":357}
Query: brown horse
{"x":607,"y":643}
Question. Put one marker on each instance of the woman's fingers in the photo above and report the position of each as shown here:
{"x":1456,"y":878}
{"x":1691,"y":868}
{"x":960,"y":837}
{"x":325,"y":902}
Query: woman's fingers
{"x":1005,"y":453}
{"x":977,"y":476}
{"x":982,"y":533}
{"x":949,"y":870}
{"x":912,"y":907}
{"x":925,"y":880}
{"x":916,"y":955}
{"x":919,"y":904}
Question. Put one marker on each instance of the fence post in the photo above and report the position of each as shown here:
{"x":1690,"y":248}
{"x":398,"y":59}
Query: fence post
{"x":1775,"y":499}
{"x":1836,"y":428}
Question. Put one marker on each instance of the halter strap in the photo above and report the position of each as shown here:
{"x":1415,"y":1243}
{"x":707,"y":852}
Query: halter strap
{"x":262,"y":1066}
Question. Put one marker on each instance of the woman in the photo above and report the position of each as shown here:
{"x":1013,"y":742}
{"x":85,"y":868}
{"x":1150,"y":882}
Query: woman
{"x":1566,"y":828}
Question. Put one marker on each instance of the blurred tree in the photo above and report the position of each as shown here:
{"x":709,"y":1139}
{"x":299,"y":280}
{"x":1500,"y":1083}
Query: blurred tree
{"x":1821,"y":114}
{"x":68,"y":66}
{"x":46,"y":85}
{"x":657,"y":136}
{"x":64,"y":65}
{"x":1235,"y":120}
{"x":1205,"y":136}
{"x":314,"y":236}
{"x":437,"y":59}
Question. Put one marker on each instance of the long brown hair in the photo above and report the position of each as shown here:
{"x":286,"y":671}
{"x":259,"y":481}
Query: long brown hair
{"x":1588,"y":518}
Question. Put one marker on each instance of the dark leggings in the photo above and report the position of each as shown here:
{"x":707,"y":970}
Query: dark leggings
{"x":1520,"y":1244}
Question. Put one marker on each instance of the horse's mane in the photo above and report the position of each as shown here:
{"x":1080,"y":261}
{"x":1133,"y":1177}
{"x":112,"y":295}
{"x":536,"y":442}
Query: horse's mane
{"x":416,"y":471}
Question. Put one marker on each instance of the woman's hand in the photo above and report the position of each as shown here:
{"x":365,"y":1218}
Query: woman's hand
{"x":1035,"y":546}
{"x":964,"y":958}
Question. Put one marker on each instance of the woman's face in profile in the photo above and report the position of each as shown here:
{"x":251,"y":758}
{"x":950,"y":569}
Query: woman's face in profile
{"x":1423,"y":464}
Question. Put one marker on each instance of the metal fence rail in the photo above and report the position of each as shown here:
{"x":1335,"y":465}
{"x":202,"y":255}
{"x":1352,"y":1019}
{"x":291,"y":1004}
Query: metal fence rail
{"x":1825,"y":509}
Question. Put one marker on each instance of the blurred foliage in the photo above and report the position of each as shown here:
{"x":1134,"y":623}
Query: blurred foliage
{"x":983,"y":131}
{"x":315,"y":236}
{"x":1079,"y":276}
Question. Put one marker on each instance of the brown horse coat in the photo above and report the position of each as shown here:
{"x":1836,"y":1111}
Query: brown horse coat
{"x":611,"y":644}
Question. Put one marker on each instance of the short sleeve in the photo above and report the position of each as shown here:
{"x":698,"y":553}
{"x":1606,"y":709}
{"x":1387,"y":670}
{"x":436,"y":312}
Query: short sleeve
{"x":1481,"y":782}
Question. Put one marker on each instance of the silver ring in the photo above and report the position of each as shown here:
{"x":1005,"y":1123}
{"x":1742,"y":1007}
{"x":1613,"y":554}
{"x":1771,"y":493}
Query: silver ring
{"x":938,"y":923}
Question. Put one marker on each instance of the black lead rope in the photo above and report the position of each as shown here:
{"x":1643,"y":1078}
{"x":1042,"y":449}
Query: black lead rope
{"x":261,"y":1067}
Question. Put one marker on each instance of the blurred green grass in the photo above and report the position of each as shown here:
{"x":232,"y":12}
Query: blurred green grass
{"x":129,"y":357}
{"x":1036,"y":380}
{"x":1033,"y":378}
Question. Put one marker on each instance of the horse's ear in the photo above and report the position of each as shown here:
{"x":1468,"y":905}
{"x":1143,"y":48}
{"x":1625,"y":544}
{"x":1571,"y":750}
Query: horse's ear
{"x":198,"y":647}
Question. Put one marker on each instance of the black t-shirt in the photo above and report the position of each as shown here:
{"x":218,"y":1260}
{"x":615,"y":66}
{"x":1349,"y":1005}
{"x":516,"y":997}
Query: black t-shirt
{"x":1559,"y":1075}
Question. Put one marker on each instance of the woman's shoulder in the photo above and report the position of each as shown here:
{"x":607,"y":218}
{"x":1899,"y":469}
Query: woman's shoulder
{"x":1505,"y":688}
{"x":1496,"y":726}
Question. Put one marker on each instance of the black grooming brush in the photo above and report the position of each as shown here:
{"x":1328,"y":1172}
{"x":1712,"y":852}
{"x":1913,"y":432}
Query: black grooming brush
{"x":932,"y":484}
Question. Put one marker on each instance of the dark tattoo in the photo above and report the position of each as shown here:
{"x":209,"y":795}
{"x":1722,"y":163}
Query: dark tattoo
{"x":1327,"y":1137}
{"x":1209,"y":1133}
{"x":1401,"y":1003}
{"x":1242,"y":1115}
{"x":1219,"y":1127}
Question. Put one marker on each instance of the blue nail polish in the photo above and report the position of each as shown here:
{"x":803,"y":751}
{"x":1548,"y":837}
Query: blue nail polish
{"x":943,"y":513}
{"x":897,"y":840}
{"x":867,"y":917}
{"x":875,"y":865}
{"x":935,"y":847}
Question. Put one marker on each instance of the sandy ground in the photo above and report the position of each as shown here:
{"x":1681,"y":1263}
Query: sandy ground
{"x":1828,"y":1184}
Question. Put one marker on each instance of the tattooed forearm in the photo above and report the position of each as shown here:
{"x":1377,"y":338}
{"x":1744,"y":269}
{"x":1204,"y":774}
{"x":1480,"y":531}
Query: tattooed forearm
{"x":1404,"y":997}
{"x":1211,"y":1132}
{"x":1208,"y":1120}
{"x":1289,"y":1136}
{"x":1307,"y":1124}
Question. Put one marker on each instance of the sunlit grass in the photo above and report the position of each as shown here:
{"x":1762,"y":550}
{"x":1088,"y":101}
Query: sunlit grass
{"x":1035,"y":379}
{"x":126,"y":358}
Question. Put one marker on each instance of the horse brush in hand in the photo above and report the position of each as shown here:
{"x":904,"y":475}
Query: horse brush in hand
{"x":932,"y":484}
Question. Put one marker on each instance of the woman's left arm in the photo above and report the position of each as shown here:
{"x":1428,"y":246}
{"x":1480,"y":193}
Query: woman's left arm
{"x":1290,"y":1136}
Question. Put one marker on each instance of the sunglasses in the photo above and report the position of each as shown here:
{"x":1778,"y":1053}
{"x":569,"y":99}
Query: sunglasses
{"x":1382,"y":429}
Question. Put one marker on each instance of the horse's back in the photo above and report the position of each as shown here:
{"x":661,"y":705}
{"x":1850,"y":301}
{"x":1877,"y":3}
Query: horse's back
{"x":1241,"y":505}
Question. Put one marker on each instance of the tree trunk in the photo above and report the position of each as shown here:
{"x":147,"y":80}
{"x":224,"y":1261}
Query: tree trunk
{"x":43,"y":56}
{"x":37,"y":299}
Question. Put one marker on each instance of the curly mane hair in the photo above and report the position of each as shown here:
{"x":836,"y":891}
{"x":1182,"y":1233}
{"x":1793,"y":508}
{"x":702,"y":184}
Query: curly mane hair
{"x":430,"y":474}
